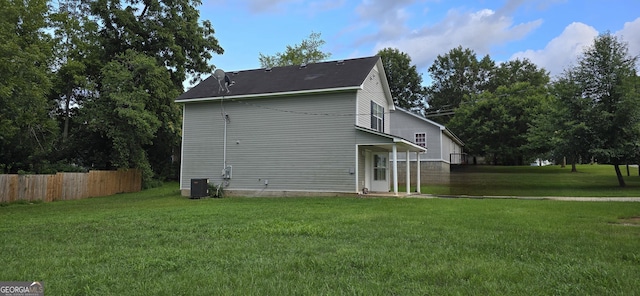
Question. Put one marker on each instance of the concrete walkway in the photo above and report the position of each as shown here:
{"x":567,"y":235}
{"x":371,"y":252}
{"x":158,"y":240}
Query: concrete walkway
{"x":563,"y":198}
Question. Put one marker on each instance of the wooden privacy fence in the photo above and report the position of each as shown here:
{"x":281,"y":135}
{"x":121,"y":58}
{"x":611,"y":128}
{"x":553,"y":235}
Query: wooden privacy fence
{"x":66,"y":186}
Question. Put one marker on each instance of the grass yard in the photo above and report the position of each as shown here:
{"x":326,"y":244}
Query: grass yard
{"x":589,"y":181}
{"x":159,"y":243}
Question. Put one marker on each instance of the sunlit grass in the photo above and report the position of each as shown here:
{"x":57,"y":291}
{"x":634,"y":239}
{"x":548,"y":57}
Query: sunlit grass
{"x":589,"y":181}
{"x":159,"y":243}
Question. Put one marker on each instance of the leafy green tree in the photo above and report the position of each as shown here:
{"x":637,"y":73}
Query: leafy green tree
{"x":494,"y":118}
{"x":606,"y":75}
{"x":455,"y":75}
{"x":26,"y":129}
{"x":517,"y":70}
{"x":561,"y":129}
{"x":405,"y":82}
{"x":308,"y":51}
{"x":99,"y":40}
{"x":168,"y":30}
{"x":495,"y":124}
{"x":125,"y":113}
{"x":76,"y":55}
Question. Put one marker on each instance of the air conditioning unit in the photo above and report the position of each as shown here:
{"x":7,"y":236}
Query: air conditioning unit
{"x":199,"y":188}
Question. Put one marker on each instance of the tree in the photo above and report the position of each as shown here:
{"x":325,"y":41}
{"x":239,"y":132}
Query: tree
{"x":168,"y":30}
{"x":76,"y":54}
{"x":496,"y":114}
{"x":99,"y":40}
{"x":125,"y":113}
{"x":455,"y":75}
{"x":308,"y":51}
{"x":561,"y":129}
{"x":496,"y":123}
{"x":404,"y":81}
{"x":607,"y":77}
{"x":26,"y":129}
{"x":517,"y":70}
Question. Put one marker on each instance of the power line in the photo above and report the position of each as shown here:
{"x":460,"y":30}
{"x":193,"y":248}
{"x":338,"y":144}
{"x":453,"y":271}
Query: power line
{"x":304,"y":112}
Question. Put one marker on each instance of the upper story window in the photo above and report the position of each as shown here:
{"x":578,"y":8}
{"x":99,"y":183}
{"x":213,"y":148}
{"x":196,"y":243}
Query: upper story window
{"x":421,"y":139}
{"x":377,"y":117}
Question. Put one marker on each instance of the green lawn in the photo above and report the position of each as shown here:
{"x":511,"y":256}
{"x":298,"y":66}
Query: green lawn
{"x":589,"y":181}
{"x":159,"y":243}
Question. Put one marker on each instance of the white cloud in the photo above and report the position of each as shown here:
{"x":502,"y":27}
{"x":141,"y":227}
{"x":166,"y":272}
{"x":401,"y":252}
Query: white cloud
{"x":562,"y":52}
{"x":262,"y":6}
{"x":387,"y":17}
{"x":478,"y":30}
{"x":285,"y":6}
{"x":630,"y":33}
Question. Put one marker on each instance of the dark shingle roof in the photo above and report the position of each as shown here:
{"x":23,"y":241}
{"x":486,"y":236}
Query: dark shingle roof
{"x":314,"y":76}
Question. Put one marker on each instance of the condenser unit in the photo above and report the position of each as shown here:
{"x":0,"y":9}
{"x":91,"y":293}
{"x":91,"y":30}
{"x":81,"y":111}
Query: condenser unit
{"x":199,"y":188}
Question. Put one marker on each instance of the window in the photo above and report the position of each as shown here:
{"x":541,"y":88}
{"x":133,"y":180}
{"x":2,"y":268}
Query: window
{"x":377,"y":117}
{"x":379,"y":167}
{"x":421,"y":139}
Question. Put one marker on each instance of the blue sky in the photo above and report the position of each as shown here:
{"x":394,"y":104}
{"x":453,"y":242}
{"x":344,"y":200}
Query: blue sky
{"x":551,"y":33}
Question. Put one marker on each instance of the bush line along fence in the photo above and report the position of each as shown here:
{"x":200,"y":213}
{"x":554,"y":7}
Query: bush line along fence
{"x":68,"y":186}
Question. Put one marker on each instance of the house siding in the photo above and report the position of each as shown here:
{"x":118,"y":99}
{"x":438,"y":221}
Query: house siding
{"x":406,"y":126}
{"x":451,"y":147}
{"x":372,"y":91}
{"x":304,"y":143}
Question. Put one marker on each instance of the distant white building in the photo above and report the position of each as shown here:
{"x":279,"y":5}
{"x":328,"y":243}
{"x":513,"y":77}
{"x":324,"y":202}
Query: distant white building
{"x":540,"y":162}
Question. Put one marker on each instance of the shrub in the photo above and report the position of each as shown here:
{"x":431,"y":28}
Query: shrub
{"x":216,"y":191}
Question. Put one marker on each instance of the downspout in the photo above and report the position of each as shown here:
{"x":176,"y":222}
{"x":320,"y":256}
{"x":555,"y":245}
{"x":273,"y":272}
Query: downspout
{"x":225,"y":117}
{"x":224,"y":149}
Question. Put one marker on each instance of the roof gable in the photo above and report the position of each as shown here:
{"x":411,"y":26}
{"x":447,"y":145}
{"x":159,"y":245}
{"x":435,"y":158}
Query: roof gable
{"x":443,"y":128}
{"x":322,"y":76}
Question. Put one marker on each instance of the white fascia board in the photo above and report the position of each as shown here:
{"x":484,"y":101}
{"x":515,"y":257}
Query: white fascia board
{"x":385,"y":84}
{"x":440,"y":126}
{"x":277,"y":94}
{"x":408,"y":143}
{"x":451,"y":135}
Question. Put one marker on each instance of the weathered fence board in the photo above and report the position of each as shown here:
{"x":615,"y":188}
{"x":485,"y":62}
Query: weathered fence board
{"x":68,"y":186}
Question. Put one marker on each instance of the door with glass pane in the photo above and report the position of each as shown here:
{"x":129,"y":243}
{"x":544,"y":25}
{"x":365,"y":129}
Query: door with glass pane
{"x":380,"y":173}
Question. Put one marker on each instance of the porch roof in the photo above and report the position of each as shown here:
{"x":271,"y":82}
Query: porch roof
{"x":401,"y":144}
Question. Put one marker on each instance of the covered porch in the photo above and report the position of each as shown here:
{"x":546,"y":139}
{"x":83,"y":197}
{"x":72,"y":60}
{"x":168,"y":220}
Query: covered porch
{"x":377,"y":164}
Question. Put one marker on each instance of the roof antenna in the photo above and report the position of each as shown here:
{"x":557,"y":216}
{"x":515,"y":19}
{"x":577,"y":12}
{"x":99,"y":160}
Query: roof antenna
{"x":223,"y":80}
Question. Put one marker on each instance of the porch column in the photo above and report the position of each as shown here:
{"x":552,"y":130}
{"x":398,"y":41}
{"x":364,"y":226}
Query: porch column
{"x":394,"y":151}
{"x":356,"y":169}
{"x":408,"y":177}
{"x":418,"y":172}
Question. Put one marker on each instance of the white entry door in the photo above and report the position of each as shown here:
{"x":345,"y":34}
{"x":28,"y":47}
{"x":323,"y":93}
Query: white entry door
{"x":379,"y":172}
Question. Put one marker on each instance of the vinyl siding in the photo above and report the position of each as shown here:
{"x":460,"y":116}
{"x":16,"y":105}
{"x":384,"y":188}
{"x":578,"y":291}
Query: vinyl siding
{"x":406,"y":126}
{"x":372,"y":90}
{"x":296,"y":143}
{"x":449,"y":147}
{"x":446,"y":148}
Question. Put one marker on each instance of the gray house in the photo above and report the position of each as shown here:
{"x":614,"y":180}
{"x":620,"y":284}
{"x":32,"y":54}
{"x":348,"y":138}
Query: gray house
{"x":444,"y":148}
{"x":322,"y":128}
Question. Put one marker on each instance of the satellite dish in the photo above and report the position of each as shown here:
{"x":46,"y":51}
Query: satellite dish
{"x":223,"y":80}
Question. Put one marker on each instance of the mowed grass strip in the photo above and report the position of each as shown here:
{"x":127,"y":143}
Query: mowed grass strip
{"x":589,"y":181}
{"x":159,"y":243}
